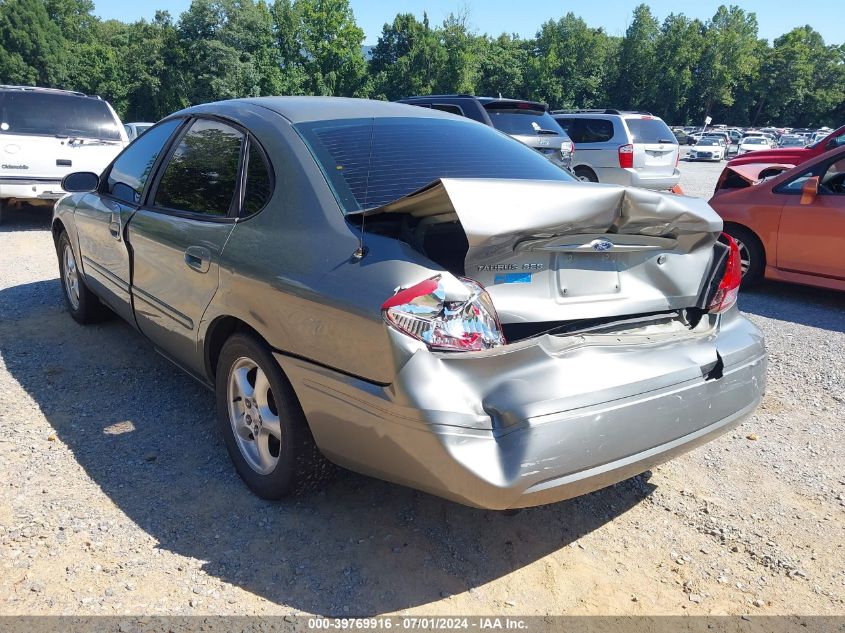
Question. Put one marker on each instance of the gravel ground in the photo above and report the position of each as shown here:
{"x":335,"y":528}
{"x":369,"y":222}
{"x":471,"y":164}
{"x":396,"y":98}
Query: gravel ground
{"x":118,"y":498}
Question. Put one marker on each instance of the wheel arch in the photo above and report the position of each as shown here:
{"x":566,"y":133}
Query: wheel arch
{"x":585,"y":167}
{"x":757,"y":238}
{"x":57,"y":227}
{"x":219,"y":330}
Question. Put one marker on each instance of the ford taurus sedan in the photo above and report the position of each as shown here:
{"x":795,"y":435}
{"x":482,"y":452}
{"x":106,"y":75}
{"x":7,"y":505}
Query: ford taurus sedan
{"x":414,"y":296}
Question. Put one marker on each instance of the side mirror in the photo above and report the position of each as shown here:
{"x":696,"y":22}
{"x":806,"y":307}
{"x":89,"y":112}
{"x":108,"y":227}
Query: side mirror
{"x":809,"y":190}
{"x":81,"y":182}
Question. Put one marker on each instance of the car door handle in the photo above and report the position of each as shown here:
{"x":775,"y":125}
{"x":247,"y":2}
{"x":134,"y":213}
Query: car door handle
{"x":114,"y":229}
{"x":198,"y":258}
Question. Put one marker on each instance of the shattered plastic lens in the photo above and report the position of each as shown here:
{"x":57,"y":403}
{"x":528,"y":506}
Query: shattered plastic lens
{"x":424,"y":312}
{"x":728,"y":290}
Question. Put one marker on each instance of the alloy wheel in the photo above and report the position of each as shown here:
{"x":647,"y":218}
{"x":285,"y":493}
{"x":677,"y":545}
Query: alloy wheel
{"x":254,"y":416}
{"x":71,"y":276}
{"x":744,"y":255}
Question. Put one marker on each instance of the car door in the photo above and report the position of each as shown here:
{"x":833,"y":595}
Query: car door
{"x":101,"y":218}
{"x":812,"y":228}
{"x":178,"y":236}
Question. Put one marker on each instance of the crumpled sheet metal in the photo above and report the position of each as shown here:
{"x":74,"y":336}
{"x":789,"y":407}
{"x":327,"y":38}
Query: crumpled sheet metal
{"x":494,"y":211}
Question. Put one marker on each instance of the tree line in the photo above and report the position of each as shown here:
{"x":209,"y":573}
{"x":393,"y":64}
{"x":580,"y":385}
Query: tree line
{"x":681,"y":69}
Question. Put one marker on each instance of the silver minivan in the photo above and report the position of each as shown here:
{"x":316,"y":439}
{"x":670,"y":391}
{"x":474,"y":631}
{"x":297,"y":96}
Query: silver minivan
{"x":624,"y":148}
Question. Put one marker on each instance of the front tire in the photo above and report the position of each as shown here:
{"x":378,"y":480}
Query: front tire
{"x":751,"y":254}
{"x":83,"y":305}
{"x":262,"y":422}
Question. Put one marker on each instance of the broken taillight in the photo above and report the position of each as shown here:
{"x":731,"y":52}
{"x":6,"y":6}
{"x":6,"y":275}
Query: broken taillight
{"x":446,"y":314}
{"x":728,"y":289}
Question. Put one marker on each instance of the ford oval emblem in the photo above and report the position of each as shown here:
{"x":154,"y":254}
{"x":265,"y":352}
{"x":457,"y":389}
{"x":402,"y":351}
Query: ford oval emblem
{"x":601,"y":245}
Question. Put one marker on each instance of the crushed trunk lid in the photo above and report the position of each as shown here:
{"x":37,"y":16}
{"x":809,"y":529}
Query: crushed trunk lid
{"x":558,"y":251}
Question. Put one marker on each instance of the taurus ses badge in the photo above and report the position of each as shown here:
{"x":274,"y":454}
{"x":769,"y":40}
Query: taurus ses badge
{"x":601,"y":245}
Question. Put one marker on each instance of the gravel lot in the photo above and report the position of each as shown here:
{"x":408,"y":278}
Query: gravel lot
{"x":118,"y":498}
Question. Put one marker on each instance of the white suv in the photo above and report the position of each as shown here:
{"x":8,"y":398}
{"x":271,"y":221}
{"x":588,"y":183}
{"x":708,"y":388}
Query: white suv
{"x":46,"y":134}
{"x":624,"y":148}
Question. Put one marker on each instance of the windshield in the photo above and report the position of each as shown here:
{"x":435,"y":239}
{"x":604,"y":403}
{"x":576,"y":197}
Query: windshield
{"x":523,"y":119}
{"x":370,"y":162}
{"x":755,"y":140}
{"x":649,"y":130}
{"x":56,"y":114}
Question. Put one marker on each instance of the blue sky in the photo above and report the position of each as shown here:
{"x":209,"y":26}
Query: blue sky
{"x":496,"y":16}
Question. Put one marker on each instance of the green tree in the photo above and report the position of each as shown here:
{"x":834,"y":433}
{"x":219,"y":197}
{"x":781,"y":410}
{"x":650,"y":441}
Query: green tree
{"x":406,"y":59}
{"x":31,"y":44}
{"x":730,"y":59}
{"x":798,"y":79}
{"x":329,"y":48}
{"x":459,"y":71}
{"x":677,"y":52}
{"x":503,"y":66}
{"x":286,"y":29}
{"x":229,"y":50}
{"x":572,"y":65}
{"x":75,"y":18}
{"x":636,"y":83}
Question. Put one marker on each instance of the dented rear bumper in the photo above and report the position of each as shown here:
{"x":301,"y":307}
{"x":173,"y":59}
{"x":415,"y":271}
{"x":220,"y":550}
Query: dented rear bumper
{"x":540,"y":421}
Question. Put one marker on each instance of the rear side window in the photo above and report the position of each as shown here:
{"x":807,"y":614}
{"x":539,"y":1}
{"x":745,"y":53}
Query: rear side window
{"x":258,"y":182}
{"x":522,"y":120}
{"x":587,"y":130}
{"x":56,"y":114}
{"x":370,"y":162}
{"x":448,"y":107}
{"x":130,"y":171}
{"x":201,"y":176}
{"x":649,"y":130}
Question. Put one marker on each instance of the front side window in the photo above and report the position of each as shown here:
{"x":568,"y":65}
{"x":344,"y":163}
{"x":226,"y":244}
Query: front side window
{"x":202,"y":174}
{"x":370,"y":162}
{"x":794,"y":186}
{"x":832,"y":180}
{"x":131,"y":170}
{"x":56,"y":114}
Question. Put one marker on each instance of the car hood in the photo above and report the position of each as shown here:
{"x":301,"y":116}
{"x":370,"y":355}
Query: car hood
{"x":750,"y":172}
{"x":792,"y":156}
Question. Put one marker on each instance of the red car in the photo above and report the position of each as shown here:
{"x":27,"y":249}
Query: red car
{"x":787,"y":155}
{"x":789,"y":226}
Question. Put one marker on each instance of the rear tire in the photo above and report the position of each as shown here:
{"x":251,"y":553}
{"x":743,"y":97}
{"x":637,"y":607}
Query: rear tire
{"x":585,"y":174}
{"x":262,"y":422}
{"x":84,"y":306}
{"x":751,"y":253}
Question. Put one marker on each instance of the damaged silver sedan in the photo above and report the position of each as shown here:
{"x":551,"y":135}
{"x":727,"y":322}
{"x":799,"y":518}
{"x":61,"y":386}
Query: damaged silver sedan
{"x":414,"y":296}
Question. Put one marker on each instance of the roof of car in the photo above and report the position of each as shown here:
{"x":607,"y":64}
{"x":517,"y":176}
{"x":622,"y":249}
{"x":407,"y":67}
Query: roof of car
{"x":73,"y":93}
{"x":305,"y":109}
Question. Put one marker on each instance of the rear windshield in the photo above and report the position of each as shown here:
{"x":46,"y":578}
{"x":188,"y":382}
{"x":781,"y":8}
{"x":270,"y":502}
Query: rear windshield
{"x":52,"y":114}
{"x":523,"y":121}
{"x":649,"y":130}
{"x":370,"y":162}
